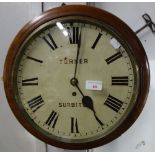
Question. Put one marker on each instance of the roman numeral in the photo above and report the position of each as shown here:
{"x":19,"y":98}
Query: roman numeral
{"x":96,"y":41}
{"x":52,"y":119}
{"x":34,"y":59}
{"x":50,"y":41}
{"x":120,"y":80}
{"x":36,"y":103}
{"x":113,"y":57}
{"x":30,"y":82}
{"x":113,"y":103}
{"x":73,"y":34}
{"x":74,"y":125}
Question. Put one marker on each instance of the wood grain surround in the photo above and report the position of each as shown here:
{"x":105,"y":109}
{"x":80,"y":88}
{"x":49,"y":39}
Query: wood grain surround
{"x":125,"y":33}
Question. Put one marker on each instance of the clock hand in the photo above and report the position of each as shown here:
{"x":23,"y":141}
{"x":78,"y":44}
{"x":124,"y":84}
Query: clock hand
{"x":79,"y":90}
{"x":86,"y":100}
{"x":77,"y":55}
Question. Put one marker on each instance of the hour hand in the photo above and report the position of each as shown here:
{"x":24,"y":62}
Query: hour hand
{"x":88,"y":102}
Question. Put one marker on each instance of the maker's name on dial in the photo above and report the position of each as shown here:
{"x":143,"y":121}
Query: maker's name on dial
{"x":70,"y":104}
{"x":72,"y":61}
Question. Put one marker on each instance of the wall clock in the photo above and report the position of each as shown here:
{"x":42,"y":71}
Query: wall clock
{"x":76,"y":77}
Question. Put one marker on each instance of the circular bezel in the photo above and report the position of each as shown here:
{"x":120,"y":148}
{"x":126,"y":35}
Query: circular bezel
{"x":103,"y":17}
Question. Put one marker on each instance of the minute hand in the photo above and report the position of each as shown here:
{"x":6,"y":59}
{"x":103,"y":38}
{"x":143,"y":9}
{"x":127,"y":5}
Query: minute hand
{"x":77,"y":55}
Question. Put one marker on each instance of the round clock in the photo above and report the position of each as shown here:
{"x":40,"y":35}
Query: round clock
{"x":76,"y":77}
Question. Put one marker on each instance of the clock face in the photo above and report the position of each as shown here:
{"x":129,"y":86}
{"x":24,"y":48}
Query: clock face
{"x":106,"y":73}
{"x":76,"y":77}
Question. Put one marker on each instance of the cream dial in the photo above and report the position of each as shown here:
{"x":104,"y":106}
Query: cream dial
{"x":46,"y":66}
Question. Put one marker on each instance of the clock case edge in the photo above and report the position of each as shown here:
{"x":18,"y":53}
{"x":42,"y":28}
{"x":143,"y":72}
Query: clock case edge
{"x":125,"y":32}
